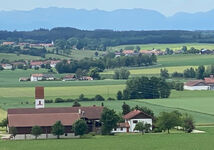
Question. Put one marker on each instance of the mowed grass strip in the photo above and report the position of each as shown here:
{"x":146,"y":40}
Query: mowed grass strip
{"x":176,"y":141}
{"x":71,"y":91}
{"x":153,"y":71}
{"x":185,"y":60}
{"x":164,"y":46}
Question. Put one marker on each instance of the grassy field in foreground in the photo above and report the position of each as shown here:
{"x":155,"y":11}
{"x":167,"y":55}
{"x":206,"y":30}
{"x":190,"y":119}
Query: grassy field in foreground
{"x":164,"y":46}
{"x":163,"y":141}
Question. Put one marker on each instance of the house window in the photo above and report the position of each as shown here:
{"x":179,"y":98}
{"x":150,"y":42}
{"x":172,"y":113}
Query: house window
{"x":66,"y":134}
{"x":135,"y":121}
{"x":121,"y":129}
{"x":115,"y":129}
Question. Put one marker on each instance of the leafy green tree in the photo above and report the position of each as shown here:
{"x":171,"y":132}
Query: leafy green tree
{"x":126,"y":94}
{"x":4,"y":123}
{"x":80,"y":127}
{"x":188,"y":123}
{"x":167,"y":121}
{"x":109,"y":119}
{"x":96,"y":53}
{"x":94,"y":73}
{"x":119,"y":95}
{"x":121,"y":74}
{"x":98,"y":98}
{"x":140,"y":127}
{"x":138,"y":48}
{"x":147,"y":128}
{"x":58,"y":129}
{"x":200,"y":72}
{"x":184,"y":49}
{"x":165,"y":90}
{"x":126,"y":108}
{"x":76,"y":104}
{"x":36,"y":131}
{"x":164,"y":73}
{"x":13,"y":131}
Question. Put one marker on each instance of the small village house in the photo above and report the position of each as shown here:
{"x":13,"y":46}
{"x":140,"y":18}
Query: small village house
{"x":53,"y":63}
{"x":8,"y":43}
{"x":7,"y":66}
{"x":36,"y":77}
{"x":206,"y":84}
{"x":131,"y":119}
{"x":36,"y":64}
{"x":69,"y":78}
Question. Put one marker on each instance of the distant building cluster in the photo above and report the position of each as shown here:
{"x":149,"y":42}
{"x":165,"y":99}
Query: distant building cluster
{"x":206,"y":84}
{"x":25,"y":44}
{"x":50,"y":77}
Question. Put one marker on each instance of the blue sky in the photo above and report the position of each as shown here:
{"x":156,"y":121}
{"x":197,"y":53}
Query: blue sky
{"x":167,"y":7}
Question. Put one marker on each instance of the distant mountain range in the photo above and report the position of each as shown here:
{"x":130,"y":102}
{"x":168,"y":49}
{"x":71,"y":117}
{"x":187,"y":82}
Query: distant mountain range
{"x":122,"y":19}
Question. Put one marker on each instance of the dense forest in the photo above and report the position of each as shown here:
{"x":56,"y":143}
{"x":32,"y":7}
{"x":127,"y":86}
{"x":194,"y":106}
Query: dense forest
{"x":100,"y":39}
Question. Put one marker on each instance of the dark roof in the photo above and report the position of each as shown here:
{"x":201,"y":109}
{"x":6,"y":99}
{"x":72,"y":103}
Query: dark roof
{"x":43,"y":120}
{"x":39,"y":92}
{"x":134,"y":113}
{"x":92,"y":112}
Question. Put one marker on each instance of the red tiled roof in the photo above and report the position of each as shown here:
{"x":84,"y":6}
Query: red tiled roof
{"x":43,"y":120}
{"x":134,"y":113}
{"x":37,"y":75}
{"x":194,"y":82}
{"x":128,"y":52}
{"x":36,"y":63}
{"x":209,"y":80}
{"x":39,"y":93}
{"x":91,"y":112}
{"x":131,"y":114}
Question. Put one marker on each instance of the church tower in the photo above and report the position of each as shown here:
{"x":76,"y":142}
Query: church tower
{"x":39,"y":98}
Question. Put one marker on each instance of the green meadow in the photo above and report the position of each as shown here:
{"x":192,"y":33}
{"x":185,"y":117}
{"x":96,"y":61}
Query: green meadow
{"x":164,"y":46}
{"x":163,"y":141}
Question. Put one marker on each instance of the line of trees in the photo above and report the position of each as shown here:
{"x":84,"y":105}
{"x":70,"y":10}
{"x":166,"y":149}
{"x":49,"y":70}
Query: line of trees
{"x":198,"y":73}
{"x":101,"y":39}
{"x":109,"y":61}
{"x":29,"y":51}
{"x":145,"y":88}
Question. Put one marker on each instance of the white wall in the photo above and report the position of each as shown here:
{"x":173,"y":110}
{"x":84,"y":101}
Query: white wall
{"x":44,"y":136}
{"x":118,"y":130}
{"x":192,"y":88}
{"x":132,"y":125}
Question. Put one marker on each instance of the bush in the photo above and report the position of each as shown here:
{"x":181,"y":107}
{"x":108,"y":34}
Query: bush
{"x":59,"y":100}
{"x":111,"y":99}
{"x":177,"y":75}
{"x":119,"y":95}
{"x":49,"y":101}
{"x":98,"y":98}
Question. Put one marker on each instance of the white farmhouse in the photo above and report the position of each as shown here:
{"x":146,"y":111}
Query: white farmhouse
{"x":131,"y":119}
{"x":196,"y":85}
{"x":36,"y":77}
{"x":7,"y":66}
{"x":206,"y":84}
